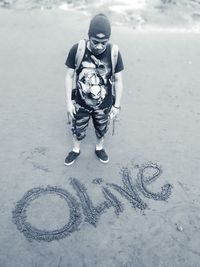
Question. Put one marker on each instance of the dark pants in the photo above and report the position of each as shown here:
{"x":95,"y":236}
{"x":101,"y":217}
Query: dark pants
{"x":100,"y":118}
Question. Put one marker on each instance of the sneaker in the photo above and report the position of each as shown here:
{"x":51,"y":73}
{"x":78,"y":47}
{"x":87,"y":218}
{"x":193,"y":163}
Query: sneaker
{"x":72,"y":156}
{"x":102,"y":156}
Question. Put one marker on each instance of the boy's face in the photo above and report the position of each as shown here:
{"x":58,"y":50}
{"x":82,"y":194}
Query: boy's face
{"x":98,"y":46}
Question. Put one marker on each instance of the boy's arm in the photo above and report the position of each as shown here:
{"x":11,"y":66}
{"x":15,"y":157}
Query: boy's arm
{"x":68,"y":86}
{"x":118,"y":95}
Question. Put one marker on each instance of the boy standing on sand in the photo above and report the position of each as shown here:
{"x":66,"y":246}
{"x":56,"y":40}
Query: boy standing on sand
{"x":94,"y":82}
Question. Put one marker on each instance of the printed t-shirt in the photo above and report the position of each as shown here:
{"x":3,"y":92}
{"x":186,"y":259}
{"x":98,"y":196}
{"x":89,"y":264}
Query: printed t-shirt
{"x":94,"y":87}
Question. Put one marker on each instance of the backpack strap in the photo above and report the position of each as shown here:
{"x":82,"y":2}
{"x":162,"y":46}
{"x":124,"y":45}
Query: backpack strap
{"x":80,"y":53}
{"x":114,"y":57}
{"x":78,"y":59}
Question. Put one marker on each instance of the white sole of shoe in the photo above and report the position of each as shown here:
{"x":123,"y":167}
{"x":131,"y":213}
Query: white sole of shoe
{"x":102,"y":161}
{"x":68,"y":164}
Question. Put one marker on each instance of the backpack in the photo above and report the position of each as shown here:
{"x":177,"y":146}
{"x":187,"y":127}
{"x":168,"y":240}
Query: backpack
{"x":79,"y":57}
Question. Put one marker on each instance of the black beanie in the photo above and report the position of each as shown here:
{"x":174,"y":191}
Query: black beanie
{"x":100,"y":27}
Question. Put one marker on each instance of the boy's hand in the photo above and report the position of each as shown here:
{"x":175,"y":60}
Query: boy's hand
{"x":71,"y":109}
{"x":114,"y":112}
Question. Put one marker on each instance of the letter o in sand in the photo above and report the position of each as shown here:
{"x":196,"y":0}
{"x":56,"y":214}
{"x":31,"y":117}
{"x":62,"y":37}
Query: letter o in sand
{"x":31,"y":232}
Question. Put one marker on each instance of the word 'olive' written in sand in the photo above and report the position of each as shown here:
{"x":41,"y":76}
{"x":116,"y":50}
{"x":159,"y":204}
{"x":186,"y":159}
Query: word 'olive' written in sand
{"x":130,"y":190}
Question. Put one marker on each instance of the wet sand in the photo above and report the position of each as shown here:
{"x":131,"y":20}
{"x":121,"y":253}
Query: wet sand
{"x":159,"y":123}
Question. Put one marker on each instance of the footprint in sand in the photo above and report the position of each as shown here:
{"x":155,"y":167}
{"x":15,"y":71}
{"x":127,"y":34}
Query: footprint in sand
{"x":36,"y":157}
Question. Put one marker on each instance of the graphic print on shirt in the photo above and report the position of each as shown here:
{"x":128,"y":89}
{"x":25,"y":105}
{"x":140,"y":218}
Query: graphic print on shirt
{"x":92,"y":81}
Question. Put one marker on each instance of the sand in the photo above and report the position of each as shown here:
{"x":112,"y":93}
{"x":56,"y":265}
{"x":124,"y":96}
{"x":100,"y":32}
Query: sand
{"x":159,"y":123}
